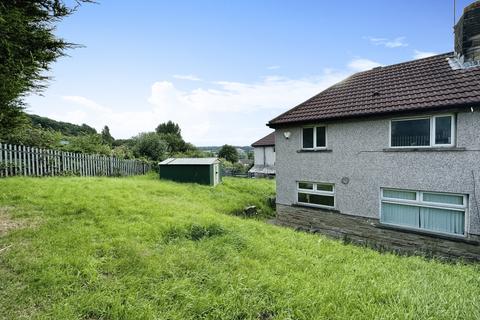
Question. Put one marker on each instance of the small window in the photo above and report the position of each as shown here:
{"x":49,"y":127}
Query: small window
{"x":308,"y":138}
{"x":429,"y":211}
{"x":423,"y":132}
{"x":314,"y":138}
{"x":443,"y":130}
{"x":321,"y":138}
{"x":305,"y":185}
{"x":399,"y":194}
{"x":316,"y":194}
{"x":324,"y":187}
{"x":443,"y":198}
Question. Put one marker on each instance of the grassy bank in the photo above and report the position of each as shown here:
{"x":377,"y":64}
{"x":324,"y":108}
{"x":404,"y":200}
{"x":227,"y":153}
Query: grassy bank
{"x":139,"y":248}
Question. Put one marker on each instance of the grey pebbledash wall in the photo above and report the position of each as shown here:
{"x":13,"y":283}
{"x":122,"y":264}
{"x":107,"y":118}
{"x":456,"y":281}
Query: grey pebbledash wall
{"x":357,"y":150}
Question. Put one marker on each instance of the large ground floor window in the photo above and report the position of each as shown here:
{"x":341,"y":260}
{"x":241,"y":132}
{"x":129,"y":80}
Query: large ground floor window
{"x":316,"y":194}
{"x":430,"y":211}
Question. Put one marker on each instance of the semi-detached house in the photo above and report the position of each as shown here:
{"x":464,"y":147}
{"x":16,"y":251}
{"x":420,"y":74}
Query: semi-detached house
{"x":390,"y":156}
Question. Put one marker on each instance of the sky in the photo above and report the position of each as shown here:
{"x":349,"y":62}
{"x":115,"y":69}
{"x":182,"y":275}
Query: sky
{"x":223,"y":68}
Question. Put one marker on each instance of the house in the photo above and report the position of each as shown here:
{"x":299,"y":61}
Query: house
{"x":264,"y":157}
{"x":194,"y":170}
{"x":390,"y":157}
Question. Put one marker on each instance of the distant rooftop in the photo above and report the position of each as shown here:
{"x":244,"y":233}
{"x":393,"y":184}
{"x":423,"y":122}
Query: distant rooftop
{"x":266,"y":141}
{"x":189,"y":161}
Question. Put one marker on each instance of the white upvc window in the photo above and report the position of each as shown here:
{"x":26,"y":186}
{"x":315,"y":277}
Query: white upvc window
{"x":423,"y":132}
{"x":434,"y":212}
{"x":314,"y":138}
{"x":316,"y":194}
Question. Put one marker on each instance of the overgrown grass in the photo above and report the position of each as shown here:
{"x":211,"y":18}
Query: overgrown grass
{"x":139,"y":248}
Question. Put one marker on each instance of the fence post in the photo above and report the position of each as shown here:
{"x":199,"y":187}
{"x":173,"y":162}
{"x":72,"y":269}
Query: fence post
{"x":9,"y":164}
{"x":1,"y":160}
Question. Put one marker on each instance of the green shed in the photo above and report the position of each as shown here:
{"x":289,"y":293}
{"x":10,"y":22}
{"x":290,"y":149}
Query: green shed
{"x":195,"y":170}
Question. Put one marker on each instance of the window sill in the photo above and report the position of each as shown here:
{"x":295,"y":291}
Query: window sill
{"x":427,"y":233}
{"x":313,"y":150}
{"x":426,"y":149}
{"x":319,"y":208}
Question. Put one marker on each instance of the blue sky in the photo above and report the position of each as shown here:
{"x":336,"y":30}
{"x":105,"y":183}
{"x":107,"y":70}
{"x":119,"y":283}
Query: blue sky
{"x":222,"y":69}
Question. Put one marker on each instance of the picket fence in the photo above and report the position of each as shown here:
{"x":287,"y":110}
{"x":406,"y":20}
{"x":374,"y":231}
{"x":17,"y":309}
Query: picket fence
{"x":29,"y":161}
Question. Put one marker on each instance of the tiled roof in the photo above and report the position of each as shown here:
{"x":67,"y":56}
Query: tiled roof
{"x":268,"y":140}
{"x":424,"y":84}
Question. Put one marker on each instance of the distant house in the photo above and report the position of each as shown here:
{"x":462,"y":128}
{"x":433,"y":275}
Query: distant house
{"x":193,"y":170}
{"x":390,"y":156}
{"x":264,"y":157}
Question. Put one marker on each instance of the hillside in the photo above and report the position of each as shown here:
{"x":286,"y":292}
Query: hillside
{"x":140,"y":248}
{"x":65,"y":128}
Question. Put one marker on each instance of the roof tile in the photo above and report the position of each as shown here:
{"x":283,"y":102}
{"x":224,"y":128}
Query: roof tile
{"x":419,"y":84}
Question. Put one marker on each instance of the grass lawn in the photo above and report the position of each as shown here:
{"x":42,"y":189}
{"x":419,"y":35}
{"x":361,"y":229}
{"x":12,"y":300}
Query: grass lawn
{"x":140,"y":248}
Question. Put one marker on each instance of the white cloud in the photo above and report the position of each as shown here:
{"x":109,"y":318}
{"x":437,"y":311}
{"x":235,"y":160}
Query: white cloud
{"x":388,"y":43}
{"x":190,"y":77}
{"x":273,"y":67}
{"x":417,"y":54}
{"x":212,"y":114}
{"x":90,"y":104}
{"x":363,"y":64}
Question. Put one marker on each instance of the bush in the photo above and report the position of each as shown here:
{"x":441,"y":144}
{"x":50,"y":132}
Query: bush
{"x":89,"y":143}
{"x":150,"y":145}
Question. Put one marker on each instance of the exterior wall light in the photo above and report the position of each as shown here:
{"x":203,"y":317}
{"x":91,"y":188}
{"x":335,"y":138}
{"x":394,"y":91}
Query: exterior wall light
{"x":287,"y":134}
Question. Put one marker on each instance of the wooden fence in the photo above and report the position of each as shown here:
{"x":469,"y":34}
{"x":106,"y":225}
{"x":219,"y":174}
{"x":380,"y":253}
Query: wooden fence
{"x":29,"y":161}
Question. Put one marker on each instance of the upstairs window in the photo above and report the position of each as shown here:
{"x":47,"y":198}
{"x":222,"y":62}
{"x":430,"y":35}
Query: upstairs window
{"x":435,"y":131}
{"x":314,"y":138}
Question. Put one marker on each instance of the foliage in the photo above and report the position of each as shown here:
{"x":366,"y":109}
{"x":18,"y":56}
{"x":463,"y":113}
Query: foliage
{"x":35,"y":137}
{"x":169,"y":128}
{"x":228,"y":153}
{"x":65,"y":128}
{"x":28,"y":47}
{"x":140,"y":248}
{"x":48,"y":133}
{"x":150,"y":145}
{"x":174,"y":142}
{"x":235,"y":168}
{"x":106,"y":136}
{"x":124,"y":142}
{"x":122,"y":152}
{"x":89,"y":143}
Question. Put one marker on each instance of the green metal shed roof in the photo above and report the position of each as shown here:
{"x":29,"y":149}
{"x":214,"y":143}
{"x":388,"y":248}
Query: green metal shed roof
{"x":189,"y":161}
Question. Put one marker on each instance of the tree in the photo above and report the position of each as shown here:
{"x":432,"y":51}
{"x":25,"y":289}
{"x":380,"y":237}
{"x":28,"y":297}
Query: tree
{"x":88,"y":143}
{"x":175,"y":144}
{"x":150,"y":145}
{"x":228,"y":153}
{"x":169,"y":127}
{"x":28,"y":46}
{"x":106,"y":136}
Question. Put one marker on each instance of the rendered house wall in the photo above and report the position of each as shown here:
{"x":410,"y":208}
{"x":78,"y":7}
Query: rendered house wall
{"x":356,"y":151}
{"x":264,"y":156}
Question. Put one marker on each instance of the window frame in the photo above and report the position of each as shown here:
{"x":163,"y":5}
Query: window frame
{"x":314,"y":137}
{"x":419,"y":202}
{"x":315,"y":191}
{"x":432,"y":121}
